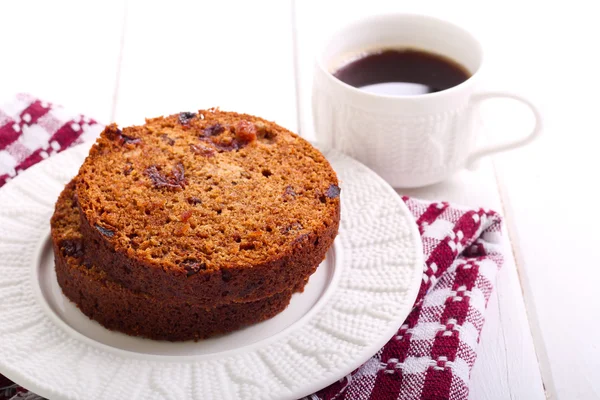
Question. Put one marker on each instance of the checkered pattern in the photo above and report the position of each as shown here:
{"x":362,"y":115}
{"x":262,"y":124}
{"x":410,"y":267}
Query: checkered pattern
{"x":32,"y":130}
{"x":431,"y":355}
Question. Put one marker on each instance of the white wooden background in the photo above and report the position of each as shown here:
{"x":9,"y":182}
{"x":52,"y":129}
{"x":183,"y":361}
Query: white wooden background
{"x":118,"y":61}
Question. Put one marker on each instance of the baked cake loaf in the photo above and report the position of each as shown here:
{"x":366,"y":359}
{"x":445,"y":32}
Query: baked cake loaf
{"x":139,"y":314}
{"x":210,"y":207}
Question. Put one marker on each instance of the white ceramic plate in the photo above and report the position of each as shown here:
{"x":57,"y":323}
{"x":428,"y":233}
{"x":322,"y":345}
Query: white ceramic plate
{"x":351,"y":307}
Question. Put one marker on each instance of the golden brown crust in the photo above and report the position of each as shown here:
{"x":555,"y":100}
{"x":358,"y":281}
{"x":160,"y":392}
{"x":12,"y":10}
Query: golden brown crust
{"x":138,"y":314}
{"x":214,"y":207}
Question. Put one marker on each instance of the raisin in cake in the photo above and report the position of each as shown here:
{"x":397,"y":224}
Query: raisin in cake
{"x":212,"y":207}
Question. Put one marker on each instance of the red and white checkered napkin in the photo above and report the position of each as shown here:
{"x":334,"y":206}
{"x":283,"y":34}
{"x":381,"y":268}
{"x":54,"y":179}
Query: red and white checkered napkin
{"x":431,"y":355}
{"x":31,"y":130}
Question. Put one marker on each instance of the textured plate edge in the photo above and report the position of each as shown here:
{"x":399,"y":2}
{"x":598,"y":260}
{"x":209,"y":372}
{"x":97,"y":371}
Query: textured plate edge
{"x":30,"y":385}
{"x":7,"y":370}
{"x":414,"y":288}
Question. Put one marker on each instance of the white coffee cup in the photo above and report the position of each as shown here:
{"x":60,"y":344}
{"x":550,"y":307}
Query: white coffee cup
{"x":413,"y":140}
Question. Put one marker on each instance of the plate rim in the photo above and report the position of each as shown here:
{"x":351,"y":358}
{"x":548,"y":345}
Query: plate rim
{"x":307,"y":389}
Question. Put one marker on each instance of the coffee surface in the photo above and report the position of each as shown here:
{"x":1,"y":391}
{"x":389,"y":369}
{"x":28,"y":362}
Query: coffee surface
{"x":402,"y":72}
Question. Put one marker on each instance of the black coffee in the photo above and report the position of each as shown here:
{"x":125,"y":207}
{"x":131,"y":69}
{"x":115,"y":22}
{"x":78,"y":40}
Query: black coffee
{"x":402,"y":72}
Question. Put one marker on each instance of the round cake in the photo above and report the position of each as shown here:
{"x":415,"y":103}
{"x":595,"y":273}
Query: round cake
{"x":194,"y":224}
{"x":139,"y":314}
{"x":212,"y":207}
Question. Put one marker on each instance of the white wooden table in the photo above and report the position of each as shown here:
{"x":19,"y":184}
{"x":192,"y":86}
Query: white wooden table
{"x":121,"y":62}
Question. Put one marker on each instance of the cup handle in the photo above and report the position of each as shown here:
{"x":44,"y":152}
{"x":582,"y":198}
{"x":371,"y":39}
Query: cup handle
{"x":496,"y":148}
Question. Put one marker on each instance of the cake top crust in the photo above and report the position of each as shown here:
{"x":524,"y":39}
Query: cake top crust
{"x":206,"y":191}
